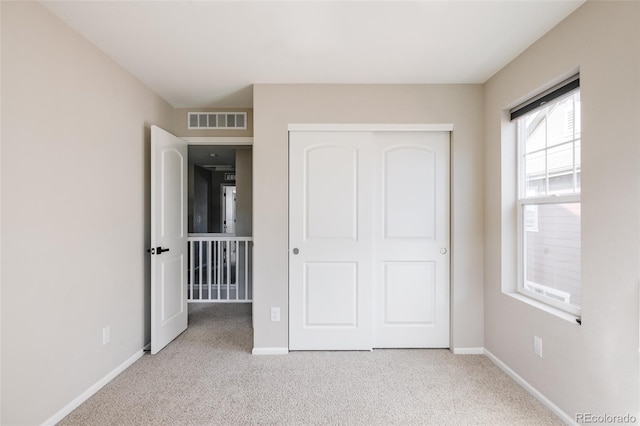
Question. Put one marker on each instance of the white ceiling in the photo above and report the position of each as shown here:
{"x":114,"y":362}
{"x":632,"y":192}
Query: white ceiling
{"x":209,"y":53}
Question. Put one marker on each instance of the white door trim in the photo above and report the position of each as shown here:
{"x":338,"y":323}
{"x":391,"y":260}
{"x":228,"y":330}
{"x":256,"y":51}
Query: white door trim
{"x":369,"y":127}
{"x":216,"y":140}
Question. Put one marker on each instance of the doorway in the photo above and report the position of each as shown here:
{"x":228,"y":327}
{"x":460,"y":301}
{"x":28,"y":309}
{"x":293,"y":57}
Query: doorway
{"x":216,"y":174}
{"x":219,"y":233}
{"x":369,"y":239}
{"x":189,"y":266}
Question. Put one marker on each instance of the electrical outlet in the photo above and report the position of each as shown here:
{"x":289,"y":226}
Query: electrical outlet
{"x":537,"y":346}
{"x":106,"y":335}
{"x":275,"y":314}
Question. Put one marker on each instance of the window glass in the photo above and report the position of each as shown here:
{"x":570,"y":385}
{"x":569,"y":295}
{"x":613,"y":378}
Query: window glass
{"x":552,"y":251}
{"x":549,"y":202}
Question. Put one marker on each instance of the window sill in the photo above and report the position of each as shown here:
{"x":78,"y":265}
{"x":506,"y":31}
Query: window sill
{"x":546,"y":308}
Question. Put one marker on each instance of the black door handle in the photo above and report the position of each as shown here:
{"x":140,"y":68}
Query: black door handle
{"x":157,"y":250}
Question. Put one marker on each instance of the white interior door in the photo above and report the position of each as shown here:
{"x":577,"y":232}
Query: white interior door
{"x":411,"y":239}
{"x":330,"y":251}
{"x":368,"y":240}
{"x":229,"y":209}
{"x":168,"y":238}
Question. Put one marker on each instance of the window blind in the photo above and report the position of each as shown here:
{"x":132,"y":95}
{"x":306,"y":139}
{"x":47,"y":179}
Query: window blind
{"x":547,"y":96}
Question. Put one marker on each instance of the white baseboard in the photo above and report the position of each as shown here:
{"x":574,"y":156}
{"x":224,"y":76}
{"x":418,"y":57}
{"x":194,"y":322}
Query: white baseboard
{"x":270,"y":351}
{"x":468,"y":351}
{"x":92,"y":390}
{"x":529,"y":388}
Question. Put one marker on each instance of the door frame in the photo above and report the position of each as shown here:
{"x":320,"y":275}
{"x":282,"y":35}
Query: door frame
{"x":363,"y":127}
{"x":389,"y":127}
{"x":217,"y":140}
{"x":208,"y":140}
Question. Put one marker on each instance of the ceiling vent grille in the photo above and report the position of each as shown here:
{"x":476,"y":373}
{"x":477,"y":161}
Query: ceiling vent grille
{"x":217,"y":120}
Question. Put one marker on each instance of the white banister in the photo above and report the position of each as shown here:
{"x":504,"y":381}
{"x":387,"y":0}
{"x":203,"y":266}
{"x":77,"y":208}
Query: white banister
{"x":209,"y":263}
{"x":219,"y":268}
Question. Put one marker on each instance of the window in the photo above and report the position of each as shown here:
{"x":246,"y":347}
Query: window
{"x":549,"y":197}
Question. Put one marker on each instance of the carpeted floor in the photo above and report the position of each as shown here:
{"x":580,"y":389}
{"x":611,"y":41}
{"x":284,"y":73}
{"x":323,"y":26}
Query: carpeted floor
{"x":208,"y":376}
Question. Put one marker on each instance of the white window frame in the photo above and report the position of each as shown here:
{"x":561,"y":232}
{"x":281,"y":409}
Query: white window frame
{"x":522,"y":202}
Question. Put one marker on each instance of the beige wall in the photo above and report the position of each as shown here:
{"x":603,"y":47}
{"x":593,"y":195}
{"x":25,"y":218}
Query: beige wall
{"x":75,"y":199}
{"x":276,"y":106}
{"x":594,"y":367}
{"x":182,"y":130}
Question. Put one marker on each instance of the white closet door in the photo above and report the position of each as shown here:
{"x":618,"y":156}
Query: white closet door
{"x":330,"y":247}
{"x":411,"y":239}
{"x":368,"y":240}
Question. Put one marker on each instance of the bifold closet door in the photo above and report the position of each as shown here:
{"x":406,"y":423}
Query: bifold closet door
{"x":330,"y":249}
{"x":368,"y":240}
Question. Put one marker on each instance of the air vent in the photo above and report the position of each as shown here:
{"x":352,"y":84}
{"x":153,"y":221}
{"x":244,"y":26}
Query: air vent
{"x":217,"y":120}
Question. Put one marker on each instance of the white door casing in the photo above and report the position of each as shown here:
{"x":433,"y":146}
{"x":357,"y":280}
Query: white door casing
{"x":330,"y":241}
{"x":168,"y":231}
{"x":369,"y":217}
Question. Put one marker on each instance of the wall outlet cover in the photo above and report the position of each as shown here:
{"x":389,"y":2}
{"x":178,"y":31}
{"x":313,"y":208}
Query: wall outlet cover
{"x":537,"y":346}
{"x":275,"y":314}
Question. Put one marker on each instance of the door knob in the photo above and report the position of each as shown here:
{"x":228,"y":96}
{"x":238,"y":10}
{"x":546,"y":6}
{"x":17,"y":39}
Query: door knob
{"x":296,"y":251}
{"x":443,"y":250}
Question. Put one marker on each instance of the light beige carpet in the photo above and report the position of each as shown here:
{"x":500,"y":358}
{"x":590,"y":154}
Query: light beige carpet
{"x":208,"y":376}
